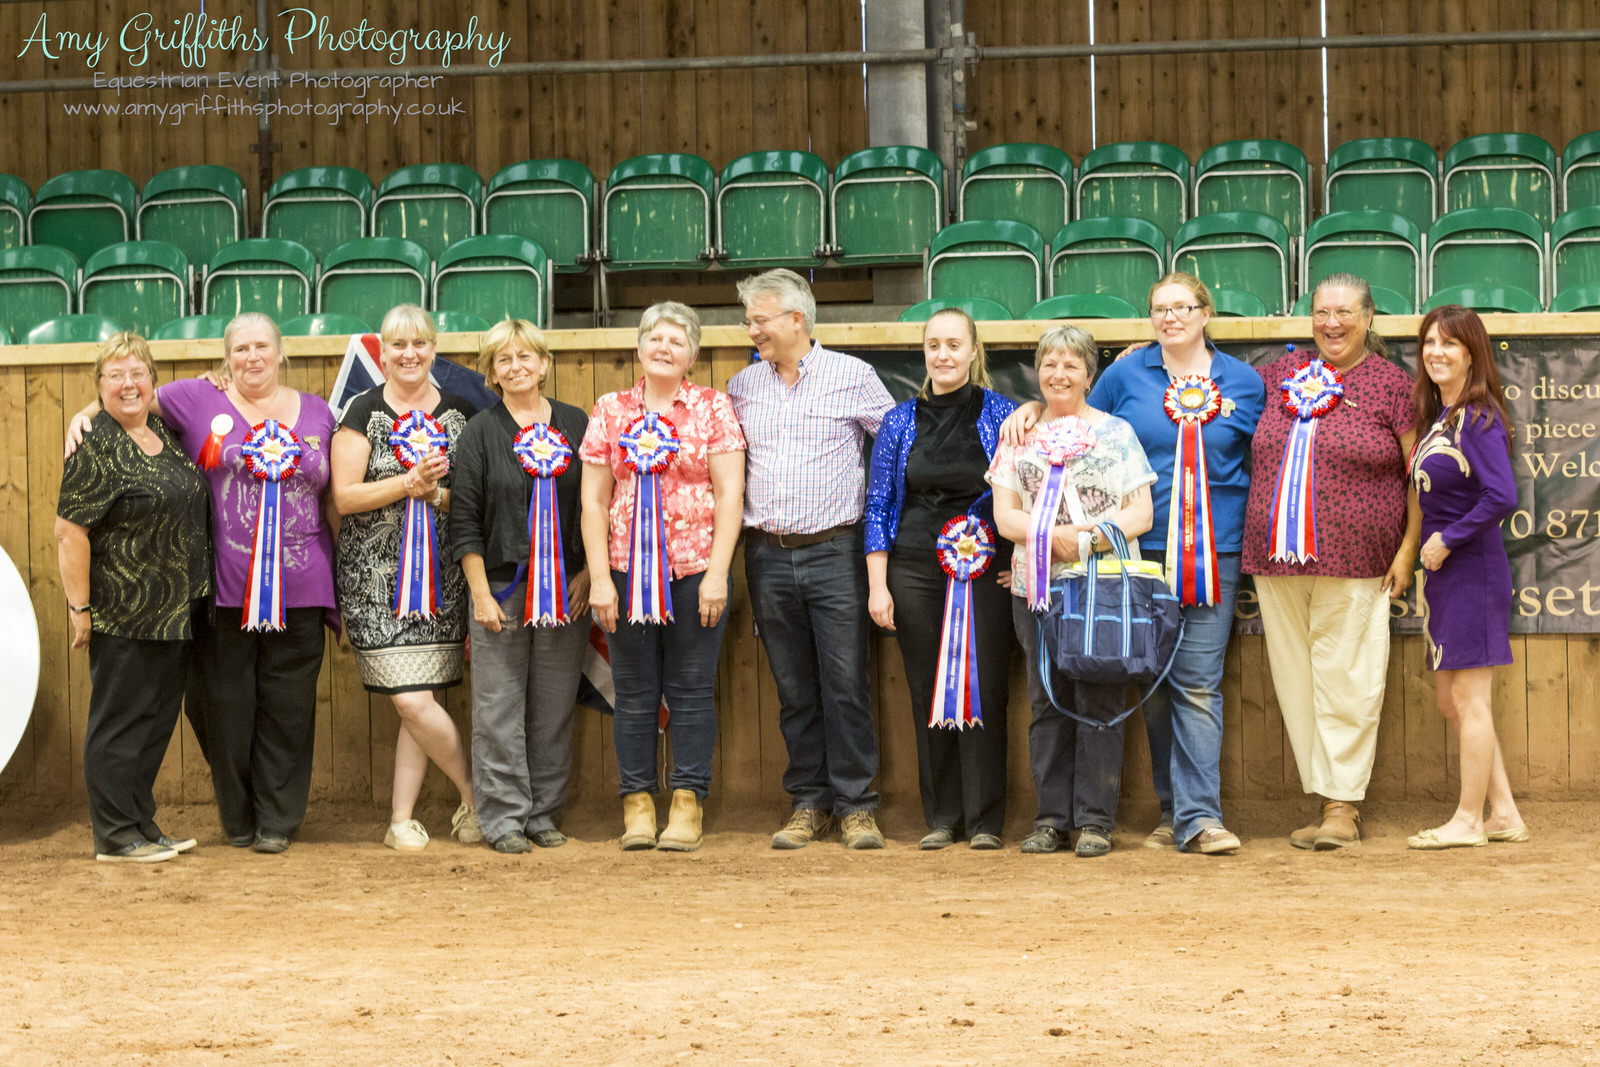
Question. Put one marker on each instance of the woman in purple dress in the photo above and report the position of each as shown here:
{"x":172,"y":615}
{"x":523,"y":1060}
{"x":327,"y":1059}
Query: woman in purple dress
{"x":1462,"y":473}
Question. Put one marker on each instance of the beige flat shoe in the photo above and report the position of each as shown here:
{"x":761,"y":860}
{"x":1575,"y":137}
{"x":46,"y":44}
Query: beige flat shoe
{"x":1430,"y":841}
{"x":1514,"y":835}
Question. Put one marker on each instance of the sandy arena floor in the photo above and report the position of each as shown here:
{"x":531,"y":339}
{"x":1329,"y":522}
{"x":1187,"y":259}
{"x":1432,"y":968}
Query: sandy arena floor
{"x":341,"y":951}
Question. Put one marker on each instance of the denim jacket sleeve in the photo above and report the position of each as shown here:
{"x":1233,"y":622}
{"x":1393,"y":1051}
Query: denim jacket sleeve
{"x":886,"y":478}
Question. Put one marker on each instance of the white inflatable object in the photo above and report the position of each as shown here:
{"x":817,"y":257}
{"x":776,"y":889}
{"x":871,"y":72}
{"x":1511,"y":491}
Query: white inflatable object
{"x":19,"y":657}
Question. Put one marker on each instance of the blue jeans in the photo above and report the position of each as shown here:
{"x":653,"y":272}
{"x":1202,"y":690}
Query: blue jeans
{"x":675,"y":662}
{"x":1184,"y":718}
{"x":810,"y":607}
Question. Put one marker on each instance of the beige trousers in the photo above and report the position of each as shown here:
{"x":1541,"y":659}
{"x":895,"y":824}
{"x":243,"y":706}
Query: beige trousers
{"x":1328,"y":643}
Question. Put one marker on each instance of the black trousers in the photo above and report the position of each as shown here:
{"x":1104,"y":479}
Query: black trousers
{"x":962,"y":772}
{"x":1077,"y":768}
{"x":135,"y":691}
{"x":253,"y":705}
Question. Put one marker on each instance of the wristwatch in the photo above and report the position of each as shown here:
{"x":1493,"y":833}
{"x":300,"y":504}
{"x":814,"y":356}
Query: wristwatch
{"x":74,"y":608}
{"x":1094,"y":539}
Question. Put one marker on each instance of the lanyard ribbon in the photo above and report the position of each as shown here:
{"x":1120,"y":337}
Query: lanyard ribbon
{"x":1309,"y":393}
{"x":1065,"y":439}
{"x":1192,"y":401}
{"x":965,"y":546}
{"x":416,"y":586}
{"x":545,"y":454}
{"x":271,"y":453}
{"x":649,"y":445}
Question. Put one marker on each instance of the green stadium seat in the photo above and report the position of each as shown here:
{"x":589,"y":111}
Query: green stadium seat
{"x":16,"y":200}
{"x":1578,"y":298}
{"x":74,"y":330}
{"x":1397,"y":174}
{"x":318,"y":207}
{"x":1384,"y":302}
{"x":1509,"y":170}
{"x":37,"y":282}
{"x":1381,"y":246}
{"x":980,"y":309}
{"x":1242,"y":250}
{"x":887,"y":203}
{"x":656,"y":213}
{"x":197,"y":210}
{"x":549,"y":201}
{"x":323,"y":324}
{"x":1134,"y":179}
{"x":276,"y":278}
{"x":5,"y":336}
{"x":431,"y":204}
{"x":459,"y":322}
{"x":1506,"y":298}
{"x":1121,"y":257}
{"x":496,"y":276}
{"x":1457,"y":243}
{"x":368,"y":276}
{"x":1028,"y":183}
{"x":1233,"y":304}
{"x":1264,"y":176}
{"x":141,"y":284}
{"x":1575,"y":249}
{"x":771,"y":211}
{"x":995,"y":259}
{"x":1580,"y":172}
{"x":83,"y":211}
{"x":192,"y":328}
{"x":1084,"y":306}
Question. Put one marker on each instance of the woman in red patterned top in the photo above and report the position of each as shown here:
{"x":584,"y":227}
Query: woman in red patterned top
{"x":666,"y":634}
{"x":1325,"y":573}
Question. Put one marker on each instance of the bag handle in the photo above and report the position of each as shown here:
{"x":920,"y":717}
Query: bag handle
{"x":1043,"y":667}
{"x":1119,"y":544}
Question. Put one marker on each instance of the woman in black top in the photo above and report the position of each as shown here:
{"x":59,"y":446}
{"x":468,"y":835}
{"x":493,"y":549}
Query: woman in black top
{"x":135,"y":562}
{"x":525,"y":670}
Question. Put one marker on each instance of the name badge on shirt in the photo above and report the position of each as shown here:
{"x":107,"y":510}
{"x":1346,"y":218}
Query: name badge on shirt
{"x":315,"y":441}
{"x":1227,"y":408}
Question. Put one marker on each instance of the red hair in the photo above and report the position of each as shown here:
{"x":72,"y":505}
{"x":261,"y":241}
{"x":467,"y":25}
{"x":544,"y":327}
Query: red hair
{"x":1482,"y":396}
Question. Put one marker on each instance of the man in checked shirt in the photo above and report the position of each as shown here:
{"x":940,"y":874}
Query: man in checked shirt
{"x":806,"y":413}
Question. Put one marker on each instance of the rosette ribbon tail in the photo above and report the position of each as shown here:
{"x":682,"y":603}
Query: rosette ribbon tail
{"x":210,"y":457}
{"x":263,"y":593}
{"x":546,"y":603}
{"x":956,"y":699}
{"x":1191,"y":545}
{"x":1293,"y":536}
{"x":649,"y":594}
{"x":1041,"y":523}
{"x":416,"y":586}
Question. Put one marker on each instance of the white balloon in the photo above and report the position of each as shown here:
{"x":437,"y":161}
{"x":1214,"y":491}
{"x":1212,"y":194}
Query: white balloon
{"x":19,"y":657}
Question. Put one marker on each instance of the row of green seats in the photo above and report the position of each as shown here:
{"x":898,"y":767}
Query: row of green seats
{"x":93,"y":328}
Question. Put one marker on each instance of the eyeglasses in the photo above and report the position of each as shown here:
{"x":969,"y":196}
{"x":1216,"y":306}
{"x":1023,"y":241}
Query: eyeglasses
{"x":136,"y":377}
{"x":760,"y":321}
{"x":1179,"y":311}
{"x":1344,"y":316}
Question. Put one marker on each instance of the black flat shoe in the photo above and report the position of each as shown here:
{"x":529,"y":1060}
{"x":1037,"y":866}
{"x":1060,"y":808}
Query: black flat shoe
{"x":937,"y":838}
{"x":270,"y":843}
{"x":548,"y":838}
{"x":1043,"y":839}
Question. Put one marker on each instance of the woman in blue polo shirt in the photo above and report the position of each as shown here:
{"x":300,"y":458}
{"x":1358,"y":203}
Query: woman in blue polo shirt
{"x":1194,"y":410}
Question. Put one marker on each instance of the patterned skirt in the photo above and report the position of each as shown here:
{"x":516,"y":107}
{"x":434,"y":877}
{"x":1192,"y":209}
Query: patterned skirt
{"x":411,"y":668}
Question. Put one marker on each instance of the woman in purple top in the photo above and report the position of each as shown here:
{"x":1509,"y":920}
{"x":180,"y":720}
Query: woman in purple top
{"x":252,"y":695}
{"x":1462,"y":474}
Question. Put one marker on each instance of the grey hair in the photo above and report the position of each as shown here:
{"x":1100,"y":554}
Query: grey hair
{"x":1375,"y":342}
{"x":242,"y":321}
{"x":1074,"y":339}
{"x":679,"y":315}
{"x":791,"y":290}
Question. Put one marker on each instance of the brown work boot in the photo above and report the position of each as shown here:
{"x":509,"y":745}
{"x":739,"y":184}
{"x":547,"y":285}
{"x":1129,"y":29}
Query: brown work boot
{"x":805,"y":825}
{"x":861,"y":831}
{"x":1341,"y":826}
{"x":683,"y":823}
{"x":1306,"y":836}
{"x":638,"y":822}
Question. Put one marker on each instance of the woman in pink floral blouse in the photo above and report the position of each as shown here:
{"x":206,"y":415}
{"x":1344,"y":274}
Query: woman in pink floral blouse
{"x":663,"y":497}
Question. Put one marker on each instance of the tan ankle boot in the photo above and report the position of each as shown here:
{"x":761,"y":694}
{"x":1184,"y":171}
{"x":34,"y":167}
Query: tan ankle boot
{"x":683,"y":823}
{"x":1306,"y":836}
{"x":1341,"y":826}
{"x":638,"y":822}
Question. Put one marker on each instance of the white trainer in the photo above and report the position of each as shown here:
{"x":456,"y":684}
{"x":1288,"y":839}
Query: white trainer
{"x":408,"y":836}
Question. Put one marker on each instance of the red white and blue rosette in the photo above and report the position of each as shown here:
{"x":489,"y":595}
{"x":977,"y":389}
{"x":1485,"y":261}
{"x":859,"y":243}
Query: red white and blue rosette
{"x":1192,"y":401}
{"x":649,"y":446}
{"x":1308,"y":394}
{"x":416,"y":586}
{"x":545,"y":454}
{"x":271,"y":454}
{"x":965,"y":547}
{"x":1063,"y":440}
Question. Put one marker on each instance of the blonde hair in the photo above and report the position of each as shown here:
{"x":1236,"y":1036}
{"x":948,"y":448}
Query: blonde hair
{"x":119,"y":345}
{"x":681,"y":315}
{"x":244,"y":321}
{"x":978,"y":373}
{"x":503,"y":335}
{"x":408,"y":321}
